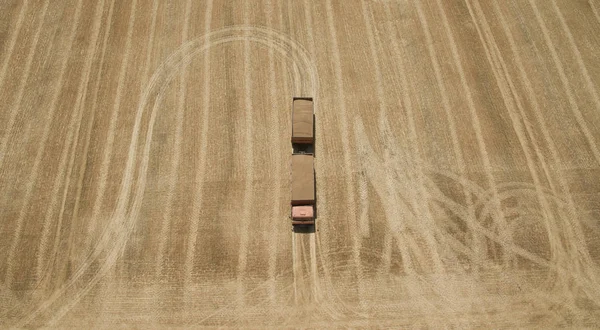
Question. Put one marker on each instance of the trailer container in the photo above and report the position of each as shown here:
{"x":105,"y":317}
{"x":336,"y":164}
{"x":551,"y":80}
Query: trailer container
{"x":303,"y":179}
{"x":302,"y":121}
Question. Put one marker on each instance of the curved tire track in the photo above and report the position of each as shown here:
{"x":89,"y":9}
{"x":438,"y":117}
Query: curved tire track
{"x":123,"y":219}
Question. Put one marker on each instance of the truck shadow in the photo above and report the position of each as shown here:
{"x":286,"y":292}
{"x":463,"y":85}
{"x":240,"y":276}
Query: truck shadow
{"x":301,"y":148}
{"x":303,"y":229}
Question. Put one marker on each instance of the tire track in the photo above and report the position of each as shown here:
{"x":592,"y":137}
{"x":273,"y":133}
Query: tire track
{"x":324,"y":278}
{"x":124,"y":217}
{"x":473,"y":111}
{"x":507,"y":90}
{"x":248,"y":162}
{"x":512,"y":189}
{"x":15,"y":106}
{"x":276,"y":186}
{"x":40,"y":151}
{"x":375,"y":44}
{"x":321,"y":236}
{"x":232,"y":304}
{"x":451,"y":124}
{"x":180,"y":113}
{"x":532,"y":97}
{"x":301,"y":280}
{"x":202,"y":155}
{"x":397,"y":208}
{"x":565,"y":82}
{"x":383,"y":108}
{"x":523,"y":131}
{"x":112,"y":282}
{"x":5,"y":290}
{"x":109,"y":143}
{"x":578,"y":235}
{"x":571,"y":212}
{"x":594,"y":10}
{"x":309,"y":28}
{"x":74,"y":128}
{"x":343,"y":124}
{"x":422,"y":209}
{"x":144,"y":79}
{"x":12,"y":42}
{"x":363,"y":189}
{"x":313,"y":267}
{"x":91,"y":119}
{"x":591,"y":88}
{"x":504,"y":191}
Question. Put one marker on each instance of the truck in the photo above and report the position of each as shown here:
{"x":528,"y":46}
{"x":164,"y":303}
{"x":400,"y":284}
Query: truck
{"x":303,"y":189}
{"x":303,"y":171}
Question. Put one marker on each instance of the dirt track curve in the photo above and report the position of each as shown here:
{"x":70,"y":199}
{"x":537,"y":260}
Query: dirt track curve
{"x":144,"y":163}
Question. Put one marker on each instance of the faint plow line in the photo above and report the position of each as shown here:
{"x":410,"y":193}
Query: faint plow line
{"x":563,"y":271}
{"x":323,"y":212}
{"x":47,"y":271}
{"x":566,"y":87}
{"x":13,"y":41}
{"x":422,"y":210}
{"x":591,"y":88}
{"x":179,"y":120}
{"x":403,"y":233}
{"x":522,"y":130}
{"x":343,"y":124}
{"x":200,"y":170}
{"x":40,"y":150}
{"x":376,"y":255}
{"x":108,"y":144}
{"x":508,"y":190}
{"x":15,"y":105}
{"x":514,"y":190}
{"x":327,"y":288}
{"x":578,"y":233}
{"x":90,"y":125}
{"x":363,"y":184}
{"x":471,"y":106}
{"x":42,"y":272}
{"x":248,"y":199}
{"x":383,"y":181}
{"x":526,"y":123}
{"x":233,"y":303}
{"x":273,"y":138}
{"x":554,"y":152}
{"x":375,"y":45}
{"x":412,"y":211}
{"x":594,"y":10}
{"x":589,"y":84}
{"x":455,"y":245}
{"x":447,"y":109}
{"x":126,"y":212}
{"x":284,"y":49}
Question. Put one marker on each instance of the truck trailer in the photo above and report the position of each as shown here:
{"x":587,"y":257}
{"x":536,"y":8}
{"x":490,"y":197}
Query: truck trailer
{"x":303,"y":172}
{"x":303,"y":189}
{"x":303,"y":121}
{"x":303,"y":179}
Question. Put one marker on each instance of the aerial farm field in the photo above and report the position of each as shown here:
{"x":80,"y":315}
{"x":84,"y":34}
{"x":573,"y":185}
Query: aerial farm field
{"x":145,"y":163}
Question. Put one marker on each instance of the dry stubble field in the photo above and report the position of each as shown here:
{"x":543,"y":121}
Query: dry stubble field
{"x":144,"y":163}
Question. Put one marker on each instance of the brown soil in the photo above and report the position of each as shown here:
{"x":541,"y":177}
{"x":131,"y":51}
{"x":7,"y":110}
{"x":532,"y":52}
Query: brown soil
{"x":145,"y":163}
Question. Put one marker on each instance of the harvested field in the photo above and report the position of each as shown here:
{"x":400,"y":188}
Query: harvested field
{"x":145,"y":163}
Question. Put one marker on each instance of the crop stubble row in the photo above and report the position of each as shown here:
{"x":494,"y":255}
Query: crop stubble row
{"x":454,"y":161}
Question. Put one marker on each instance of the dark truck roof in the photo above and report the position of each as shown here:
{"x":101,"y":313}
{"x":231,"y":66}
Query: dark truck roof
{"x":302,"y":121}
{"x":303,"y":179}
